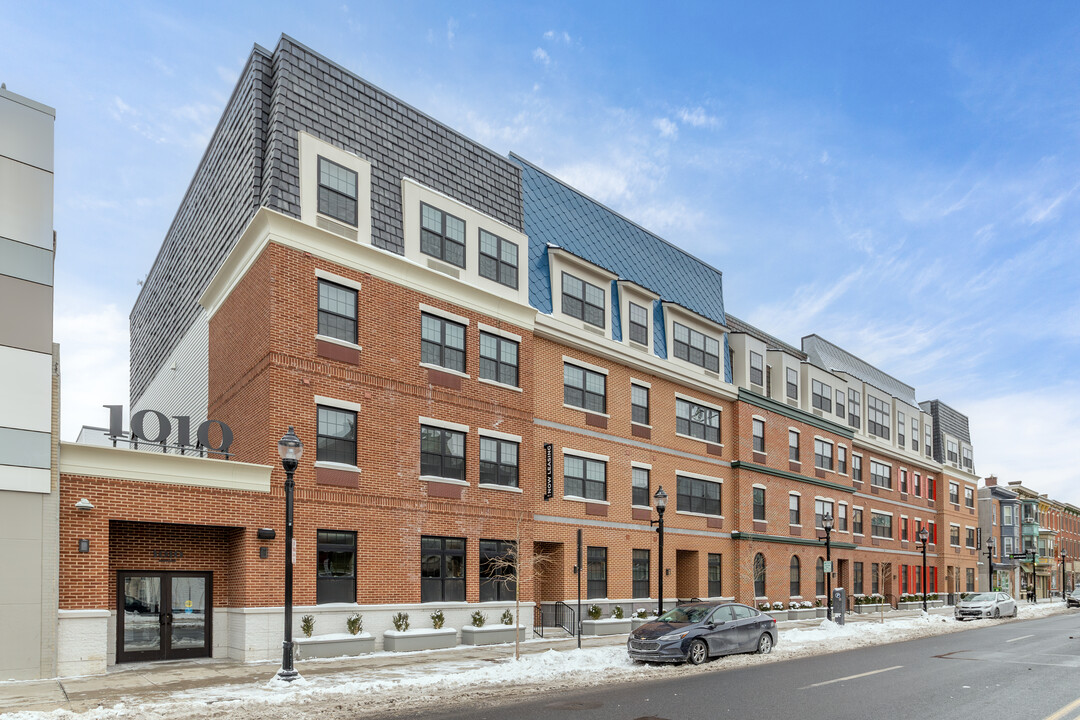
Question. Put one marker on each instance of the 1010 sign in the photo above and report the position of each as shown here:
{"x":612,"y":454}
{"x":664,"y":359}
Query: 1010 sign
{"x":164,"y":430}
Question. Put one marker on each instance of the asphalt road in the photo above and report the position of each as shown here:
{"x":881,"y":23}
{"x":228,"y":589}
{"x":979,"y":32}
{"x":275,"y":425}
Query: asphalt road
{"x":1027,"y":670}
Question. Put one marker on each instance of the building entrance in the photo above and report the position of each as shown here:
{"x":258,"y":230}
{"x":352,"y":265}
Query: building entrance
{"x":163,"y":615}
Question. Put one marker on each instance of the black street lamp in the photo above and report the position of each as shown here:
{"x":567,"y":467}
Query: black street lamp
{"x":660,"y":499}
{"x":924,"y":537}
{"x":991,"y":543}
{"x":827,"y":525}
{"x":290,"y":449}
{"x":1064,"y":557}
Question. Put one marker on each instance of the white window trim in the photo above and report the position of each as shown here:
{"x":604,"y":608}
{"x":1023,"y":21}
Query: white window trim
{"x":704,"y":515}
{"x":336,"y":341}
{"x":641,"y":507}
{"x":484,"y":432}
{"x":583,"y":364}
{"x":759,"y":485}
{"x":700,"y":440}
{"x":440,"y":368}
{"x":698,"y":476}
{"x":496,"y":331}
{"x":335,"y":466}
{"x":496,"y":383}
{"x":643,"y":466}
{"x":339,"y":404}
{"x":796,"y":493}
{"x":445,"y":481}
{"x":642,"y":383}
{"x":584,"y":454}
{"x":444,"y":314}
{"x":337,"y":279}
{"x":577,"y":498}
{"x":581,"y":409}
{"x":696,"y":401}
{"x":444,"y":424}
{"x":503,"y":488}
{"x":881,"y":512}
{"x":759,"y":417}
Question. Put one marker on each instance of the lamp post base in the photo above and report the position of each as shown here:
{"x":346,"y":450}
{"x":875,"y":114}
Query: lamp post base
{"x":287,"y":675}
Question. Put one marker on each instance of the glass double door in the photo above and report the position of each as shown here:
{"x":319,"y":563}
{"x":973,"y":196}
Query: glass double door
{"x":163,"y":615}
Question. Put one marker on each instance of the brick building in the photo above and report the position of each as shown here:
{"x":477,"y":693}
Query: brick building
{"x":478,"y":358}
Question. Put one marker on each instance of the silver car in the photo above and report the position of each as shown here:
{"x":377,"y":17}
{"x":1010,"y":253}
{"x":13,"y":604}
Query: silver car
{"x":985,"y":605}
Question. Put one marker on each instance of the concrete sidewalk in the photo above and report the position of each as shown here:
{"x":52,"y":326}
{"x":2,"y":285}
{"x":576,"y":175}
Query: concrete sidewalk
{"x":138,"y":683}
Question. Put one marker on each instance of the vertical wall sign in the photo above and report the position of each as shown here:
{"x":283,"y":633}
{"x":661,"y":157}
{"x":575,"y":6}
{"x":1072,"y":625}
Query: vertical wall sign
{"x":549,"y":471}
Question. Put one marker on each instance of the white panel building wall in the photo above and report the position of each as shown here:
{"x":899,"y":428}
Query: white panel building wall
{"x":181,"y":386}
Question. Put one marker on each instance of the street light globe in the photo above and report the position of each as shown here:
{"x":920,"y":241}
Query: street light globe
{"x":660,"y":498}
{"x":290,"y":448}
{"x":827,"y":521}
{"x":924,"y":535}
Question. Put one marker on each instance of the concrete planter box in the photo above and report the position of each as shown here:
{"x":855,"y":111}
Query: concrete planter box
{"x":609,"y":626}
{"x":935,"y":603}
{"x":339,"y":645}
{"x":869,"y":609}
{"x":802,"y":614}
{"x":778,"y":615}
{"x":635,"y":623}
{"x":917,"y":605}
{"x":490,"y":634}
{"x":409,"y":640}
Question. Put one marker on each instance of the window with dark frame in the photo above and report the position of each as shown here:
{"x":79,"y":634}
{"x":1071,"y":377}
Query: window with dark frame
{"x":903,"y":529}
{"x":901,"y":426}
{"x":498,"y":259}
{"x":877,"y":417}
{"x":498,"y":359}
{"x":759,"y":504}
{"x":874,"y":578}
{"x":840,"y":403}
{"x":857,"y":574}
{"x":442,"y":235}
{"x":823,"y":454}
{"x":793,"y":445}
{"x":819,"y":577}
{"x":639,"y":494}
{"x":903,"y":481}
{"x":969,"y":497}
{"x":498,"y":462}
{"x":585,"y":389}
{"x":583,"y":300}
{"x":337,"y":312}
{"x":335,"y":579}
{"x":442,"y":453}
{"x":916,"y":484}
{"x":335,"y":435}
{"x":794,"y":579}
{"x":967,"y":461}
{"x":793,"y":510}
{"x":584,"y":477}
{"x":792,"y":383}
{"x":954,"y":535}
{"x":757,"y":364}
{"x":856,"y":467}
{"x":821,"y":396}
{"x":697,"y":421}
{"x":596,"y":572}
{"x":841,"y":517}
{"x":696,"y":348}
{"x":697,"y":496}
{"x":927,"y":438}
{"x":881,"y":525}
{"x":715,"y":585}
{"x":337,"y":192}
{"x":498,"y":570}
{"x":951,"y":450}
{"x":639,"y":404}
{"x":841,"y":459}
{"x":442,"y":342}
{"x":442,"y":569}
{"x":915,"y":434}
{"x":880,"y":474}
{"x":821,"y":509}
{"x":954,"y":493}
{"x":640,"y":573}
{"x":856,"y":521}
{"x":853,"y":408}
{"x":759,"y":575}
{"x":759,"y":435}
{"x":638,"y":322}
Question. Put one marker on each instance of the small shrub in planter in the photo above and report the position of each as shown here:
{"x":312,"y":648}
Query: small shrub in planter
{"x":401,"y":621}
{"x":307,"y":625}
{"x":438,"y":619}
{"x":478,"y":619}
{"x":507,"y":617}
{"x":617,"y":612}
{"x":817,"y":603}
{"x":778,"y":605}
{"x":355,"y":624}
{"x":764,"y":607}
{"x":595,"y":612}
{"x":641,"y":613}
{"x":793,"y":605}
{"x":806,"y":604}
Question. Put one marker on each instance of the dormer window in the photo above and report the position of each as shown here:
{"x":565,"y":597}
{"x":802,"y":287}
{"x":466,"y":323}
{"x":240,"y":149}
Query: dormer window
{"x":951,"y":445}
{"x":967,"y":458}
{"x":337,"y":191}
{"x":583,"y":300}
{"x":639,"y":324}
{"x":821,"y":396}
{"x":498,"y":259}
{"x":696,"y":348}
{"x":792,"y":383}
{"x":442,"y":235}
{"x":756,"y":368}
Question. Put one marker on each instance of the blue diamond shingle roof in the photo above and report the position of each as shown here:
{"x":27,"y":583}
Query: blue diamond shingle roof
{"x":557,"y":214}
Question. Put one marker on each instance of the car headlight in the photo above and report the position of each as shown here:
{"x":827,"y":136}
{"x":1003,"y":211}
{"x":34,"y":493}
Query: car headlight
{"x":674,"y":636}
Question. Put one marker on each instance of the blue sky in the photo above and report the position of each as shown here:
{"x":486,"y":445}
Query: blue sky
{"x":901,"y":181}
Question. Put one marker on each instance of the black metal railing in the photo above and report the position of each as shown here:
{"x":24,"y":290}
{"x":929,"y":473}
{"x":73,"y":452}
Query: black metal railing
{"x":558,"y":615}
{"x":538,"y":619}
{"x":565,"y":617}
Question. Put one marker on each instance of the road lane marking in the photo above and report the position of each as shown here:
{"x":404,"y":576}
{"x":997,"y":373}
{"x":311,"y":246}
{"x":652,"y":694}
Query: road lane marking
{"x":1064,"y":711}
{"x":1022,"y":637}
{"x":860,"y":675}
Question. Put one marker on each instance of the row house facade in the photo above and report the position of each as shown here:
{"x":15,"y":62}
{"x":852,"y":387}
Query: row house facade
{"x":483,"y":364}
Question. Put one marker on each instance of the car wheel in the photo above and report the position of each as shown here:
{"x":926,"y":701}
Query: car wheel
{"x":764,"y":644}
{"x":997,"y":613}
{"x":699,"y":652}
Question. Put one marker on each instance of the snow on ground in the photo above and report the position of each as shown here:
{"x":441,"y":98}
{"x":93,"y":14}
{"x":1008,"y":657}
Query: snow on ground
{"x":399,"y":689}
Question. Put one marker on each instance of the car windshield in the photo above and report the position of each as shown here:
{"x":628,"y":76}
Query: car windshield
{"x":686,"y":614}
{"x":980,"y":597}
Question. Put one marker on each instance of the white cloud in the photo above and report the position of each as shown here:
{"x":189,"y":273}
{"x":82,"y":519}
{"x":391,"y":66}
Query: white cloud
{"x":451,"y":27}
{"x":666,"y":127}
{"x":93,"y":359}
{"x":558,"y":36}
{"x":697,"y":117}
{"x":540,"y":55}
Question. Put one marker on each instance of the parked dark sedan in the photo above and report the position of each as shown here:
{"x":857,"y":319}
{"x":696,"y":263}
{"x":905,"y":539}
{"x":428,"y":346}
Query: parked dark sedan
{"x":696,"y":632}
